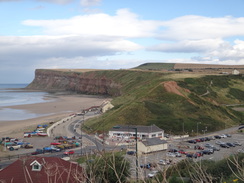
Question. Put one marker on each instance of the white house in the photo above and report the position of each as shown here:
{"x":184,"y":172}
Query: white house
{"x":235,"y":72}
{"x":129,"y":132}
{"x":152,"y":145}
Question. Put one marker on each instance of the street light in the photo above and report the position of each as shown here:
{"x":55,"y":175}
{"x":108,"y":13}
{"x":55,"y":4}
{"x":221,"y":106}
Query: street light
{"x":197,"y":127}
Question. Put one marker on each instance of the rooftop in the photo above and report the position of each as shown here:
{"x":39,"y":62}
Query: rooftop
{"x":142,"y":129}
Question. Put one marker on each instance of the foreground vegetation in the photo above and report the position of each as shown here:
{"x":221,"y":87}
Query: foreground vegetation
{"x":114,"y":168}
{"x":145,"y":100}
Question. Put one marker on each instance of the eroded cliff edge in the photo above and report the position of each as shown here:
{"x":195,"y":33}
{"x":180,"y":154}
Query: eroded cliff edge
{"x":91,"y":82}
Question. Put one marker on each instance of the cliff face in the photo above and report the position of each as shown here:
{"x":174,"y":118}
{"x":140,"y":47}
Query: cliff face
{"x":81,"y":82}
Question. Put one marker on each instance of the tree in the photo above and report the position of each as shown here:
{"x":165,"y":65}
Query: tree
{"x":108,"y":168}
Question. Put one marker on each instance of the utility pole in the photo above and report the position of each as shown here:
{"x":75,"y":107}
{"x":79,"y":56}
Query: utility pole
{"x":81,"y":134}
{"x":136,"y":156}
{"x":197,"y":127}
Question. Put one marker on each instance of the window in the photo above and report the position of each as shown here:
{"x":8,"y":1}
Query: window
{"x":36,"y":166}
{"x":153,"y":135}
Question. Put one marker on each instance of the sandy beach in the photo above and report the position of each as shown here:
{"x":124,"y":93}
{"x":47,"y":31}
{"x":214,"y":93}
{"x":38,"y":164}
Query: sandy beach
{"x":61,"y":107}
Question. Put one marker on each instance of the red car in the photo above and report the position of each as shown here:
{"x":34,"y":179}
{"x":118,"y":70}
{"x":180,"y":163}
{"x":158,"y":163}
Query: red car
{"x":55,"y":143}
{"x":182,"y":152}
{"x":69,"y":152}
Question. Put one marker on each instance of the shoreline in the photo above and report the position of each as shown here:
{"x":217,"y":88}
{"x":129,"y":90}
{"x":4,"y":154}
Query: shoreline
{"x":55,"y":110}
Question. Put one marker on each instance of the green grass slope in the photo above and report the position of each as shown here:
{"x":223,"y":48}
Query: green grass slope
{"x":146,"y":101}
{"x":156,"y":66}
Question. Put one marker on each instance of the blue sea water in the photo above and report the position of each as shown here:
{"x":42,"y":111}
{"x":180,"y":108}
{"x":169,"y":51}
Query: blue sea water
{"x":13,"y":94}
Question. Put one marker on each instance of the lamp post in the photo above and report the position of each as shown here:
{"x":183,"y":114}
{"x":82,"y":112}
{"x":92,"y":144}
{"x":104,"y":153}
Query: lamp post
{"x":197,"y":127}
{"x":136,"y":155}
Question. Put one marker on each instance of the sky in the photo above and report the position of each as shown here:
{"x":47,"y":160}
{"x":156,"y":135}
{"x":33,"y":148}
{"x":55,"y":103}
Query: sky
{"x":116,"y":34}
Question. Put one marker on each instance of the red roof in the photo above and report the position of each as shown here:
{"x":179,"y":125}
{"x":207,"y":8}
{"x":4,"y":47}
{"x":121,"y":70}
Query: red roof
{"x":53,"y":169}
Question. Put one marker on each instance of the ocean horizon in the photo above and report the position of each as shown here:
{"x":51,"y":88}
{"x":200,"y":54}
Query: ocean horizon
{"x":12,"y":95}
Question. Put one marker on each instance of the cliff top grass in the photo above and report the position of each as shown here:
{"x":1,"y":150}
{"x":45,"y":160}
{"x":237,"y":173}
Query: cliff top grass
{"x":189,"y":98}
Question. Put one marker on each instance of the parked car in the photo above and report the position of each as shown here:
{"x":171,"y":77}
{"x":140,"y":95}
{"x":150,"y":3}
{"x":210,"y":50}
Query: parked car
{"x":162,"y":162}
{"x":131,"y":152}
{"x":148,"y":165}
{"x":182,"y":151}
{"x":228,"y":135}
{"x":223,"y":136}
{"x":215,"y":148}
{"x":152,"y":174}
{"x":170,"y":154}
{"x":198,"y":147}
{"x":192,"y":141}
{"x":224,"y":145}
{"x":230,"y":144}
{"x":177,"y":154}
{"x":69,"y":152}
{"x":217,"y":137}
{"x":237,"y":143}
{"x":172,"y":150}
{"x":219,"y":142}
{"x":207,"y":151}
{"x":208,"y":145}
{"x":38,"y":151}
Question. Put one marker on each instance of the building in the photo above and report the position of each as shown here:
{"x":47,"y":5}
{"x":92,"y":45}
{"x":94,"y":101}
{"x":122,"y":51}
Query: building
{"x":123,"y":132}
{"x":42,"y":170}
{"x":235,"y":72}
{"x":152,"y":145}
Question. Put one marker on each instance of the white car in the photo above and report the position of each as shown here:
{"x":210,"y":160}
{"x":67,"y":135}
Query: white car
{"x":219,"y":142}
{"x":162,"y":162}
{"x":152,"y":174}
{"x":171,"y":154}
{"x":223,"y":136}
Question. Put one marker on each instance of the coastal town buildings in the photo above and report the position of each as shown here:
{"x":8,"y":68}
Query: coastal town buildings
{"x":129,"y":132}
{"x":150,"y":145}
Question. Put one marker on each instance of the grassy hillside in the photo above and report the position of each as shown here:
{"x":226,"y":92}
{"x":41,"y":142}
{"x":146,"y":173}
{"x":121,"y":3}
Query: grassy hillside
{"x":156,"y":66}
{"x":172,"y":100}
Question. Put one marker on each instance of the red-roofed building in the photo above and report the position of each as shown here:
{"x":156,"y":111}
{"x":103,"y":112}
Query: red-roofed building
{"x":42,"y":170}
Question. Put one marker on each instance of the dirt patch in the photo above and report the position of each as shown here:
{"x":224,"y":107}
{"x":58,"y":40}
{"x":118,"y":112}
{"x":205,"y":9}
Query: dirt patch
{"x":172,"y":86}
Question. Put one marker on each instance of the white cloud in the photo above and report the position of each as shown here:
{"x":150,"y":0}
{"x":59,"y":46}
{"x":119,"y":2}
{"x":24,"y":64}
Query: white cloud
{"x":190,"y":46}
{"x":123,"y":24}
{"x":62,"y":46}
{"x":57,"y":1}
{"x":89,"y":2}
{"x":199,"y":27}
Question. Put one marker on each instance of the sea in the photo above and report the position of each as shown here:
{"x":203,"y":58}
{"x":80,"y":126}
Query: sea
{"x":13,"y":94}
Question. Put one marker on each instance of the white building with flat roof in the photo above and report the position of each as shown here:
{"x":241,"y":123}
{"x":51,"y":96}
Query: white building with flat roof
{"x":129,"y":132}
